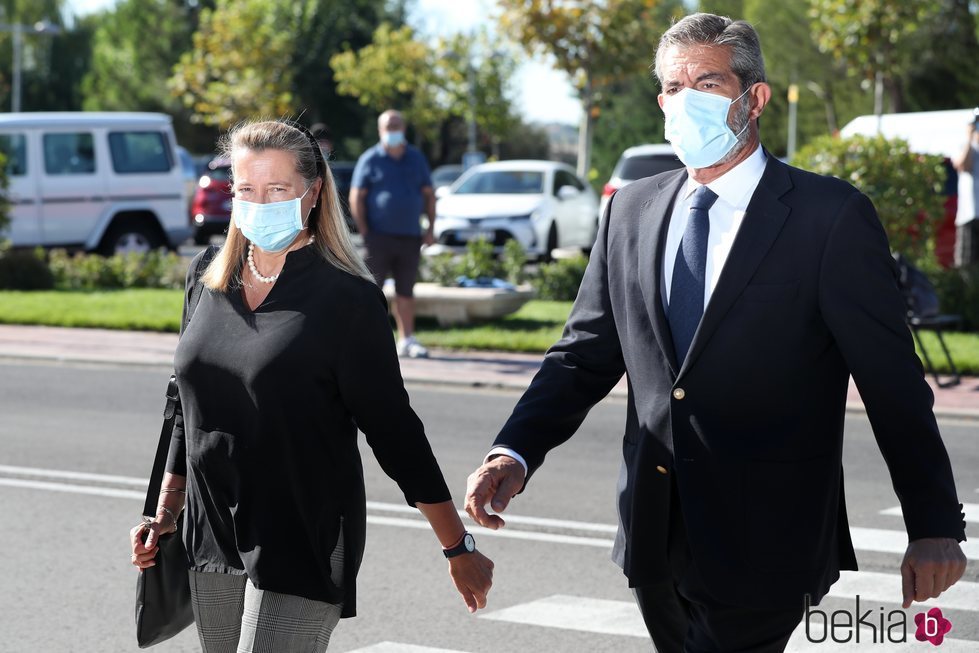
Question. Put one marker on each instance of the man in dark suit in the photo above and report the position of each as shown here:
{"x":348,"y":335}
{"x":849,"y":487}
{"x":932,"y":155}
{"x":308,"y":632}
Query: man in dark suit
{"x":738,"y":295}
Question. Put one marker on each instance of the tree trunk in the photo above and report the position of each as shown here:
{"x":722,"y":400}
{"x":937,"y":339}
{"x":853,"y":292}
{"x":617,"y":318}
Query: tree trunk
{"x":585,"y":132}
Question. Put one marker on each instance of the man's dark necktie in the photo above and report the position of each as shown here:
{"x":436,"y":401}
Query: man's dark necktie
{"x":689,"y":274}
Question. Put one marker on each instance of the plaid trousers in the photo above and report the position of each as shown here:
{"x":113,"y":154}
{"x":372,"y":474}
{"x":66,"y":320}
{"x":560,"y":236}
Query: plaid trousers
{"x":234,"y":616}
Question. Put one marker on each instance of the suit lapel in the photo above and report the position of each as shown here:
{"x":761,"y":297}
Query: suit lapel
{"x":762,"y":223}
{"x":654,"y":220}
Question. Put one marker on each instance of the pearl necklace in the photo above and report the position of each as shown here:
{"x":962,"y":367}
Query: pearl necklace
{"x":251,"y":264}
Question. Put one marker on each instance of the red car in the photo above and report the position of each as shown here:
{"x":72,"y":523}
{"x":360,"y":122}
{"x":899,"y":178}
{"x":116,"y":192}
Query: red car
{"x":210,"y":211}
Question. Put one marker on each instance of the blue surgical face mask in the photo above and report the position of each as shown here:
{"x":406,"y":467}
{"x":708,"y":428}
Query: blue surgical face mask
{"x":696,"y":126}
{"x":393,"y":139}
{"x":272,"y":226}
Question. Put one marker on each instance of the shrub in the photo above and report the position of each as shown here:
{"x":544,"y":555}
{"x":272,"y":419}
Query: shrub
{"x":513,"y":262}
{"x":903,"y":185}
{"x":440,"y":269}
{"x":478,"y":260}
{"x":560,"y":280}
{"x":24,"y":270}
{"x":958,"y":293}
{"x":92,"y":272}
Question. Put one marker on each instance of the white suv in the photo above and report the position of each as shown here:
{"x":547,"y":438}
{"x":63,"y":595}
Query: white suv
{"x":106,"y":182}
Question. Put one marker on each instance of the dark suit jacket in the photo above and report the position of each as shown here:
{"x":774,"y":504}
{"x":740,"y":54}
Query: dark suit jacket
{"x":750,"y":428}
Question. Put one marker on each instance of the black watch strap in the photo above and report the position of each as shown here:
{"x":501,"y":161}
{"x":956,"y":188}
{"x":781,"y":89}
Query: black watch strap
{"x":466,"y":545}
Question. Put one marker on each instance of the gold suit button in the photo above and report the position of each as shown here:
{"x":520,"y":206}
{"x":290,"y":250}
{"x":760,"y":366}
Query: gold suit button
{"x":679,"y":394}
{"x":661,"y":469}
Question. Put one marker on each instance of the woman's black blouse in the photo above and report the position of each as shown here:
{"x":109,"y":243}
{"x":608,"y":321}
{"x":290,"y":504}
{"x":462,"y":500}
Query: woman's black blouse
{"x":266,"y":434}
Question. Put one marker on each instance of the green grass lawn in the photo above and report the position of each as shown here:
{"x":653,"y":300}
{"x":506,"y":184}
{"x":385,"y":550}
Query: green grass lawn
{"x":135,"y":309}
{"x":532,"y":329}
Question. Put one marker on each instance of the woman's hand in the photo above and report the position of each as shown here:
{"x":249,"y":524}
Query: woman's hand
{"x":472,"y":574}
{"x":145,"y":552}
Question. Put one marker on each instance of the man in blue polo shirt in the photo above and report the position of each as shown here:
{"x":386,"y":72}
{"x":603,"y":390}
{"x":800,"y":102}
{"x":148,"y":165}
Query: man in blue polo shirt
{"x":390,"y":189}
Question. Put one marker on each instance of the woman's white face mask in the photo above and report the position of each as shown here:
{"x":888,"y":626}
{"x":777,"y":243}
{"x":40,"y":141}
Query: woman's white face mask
{"x":272,"y":226}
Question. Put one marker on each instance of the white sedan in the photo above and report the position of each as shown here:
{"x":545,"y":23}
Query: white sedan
{"x":541,"y":204}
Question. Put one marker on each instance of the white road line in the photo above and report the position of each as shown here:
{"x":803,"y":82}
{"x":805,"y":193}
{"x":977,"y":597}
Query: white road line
{"x":73,"y":476}
{"x":971,"y":511}
{"x":888,"y":541}
{"x":398,"y":647}
{"x":576,"y":613}
{"x":864,"y":539}
{"x":485,"y":532}
{"x":886,"y":588}
{"x":74,"y":489}
{"x":510,"y":519}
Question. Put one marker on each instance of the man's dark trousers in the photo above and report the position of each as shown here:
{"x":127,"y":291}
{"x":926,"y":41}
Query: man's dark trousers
{"x":682,"y":616}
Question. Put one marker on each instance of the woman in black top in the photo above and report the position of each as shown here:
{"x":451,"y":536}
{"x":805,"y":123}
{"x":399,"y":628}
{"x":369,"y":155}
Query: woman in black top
{"x":288,"y":353}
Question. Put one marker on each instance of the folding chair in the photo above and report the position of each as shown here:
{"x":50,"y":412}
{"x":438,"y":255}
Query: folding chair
{"x":923,"y":315}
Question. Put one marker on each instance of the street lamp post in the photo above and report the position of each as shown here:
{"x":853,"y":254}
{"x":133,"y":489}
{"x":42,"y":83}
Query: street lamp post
{"x":17,"y":31}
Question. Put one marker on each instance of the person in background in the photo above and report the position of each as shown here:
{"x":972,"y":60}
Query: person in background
{"x":390,"y":190}
{"x":287,"y":354}
{"x":324,"y":137}
{"x":967,"y":216}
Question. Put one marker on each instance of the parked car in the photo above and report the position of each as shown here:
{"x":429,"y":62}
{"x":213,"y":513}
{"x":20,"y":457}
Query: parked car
{"x":211,"y":209}
{"x":106,"y":182}
{"x":541,"y":204}
{"x":636,"y":163}
{"x":445,"y":176}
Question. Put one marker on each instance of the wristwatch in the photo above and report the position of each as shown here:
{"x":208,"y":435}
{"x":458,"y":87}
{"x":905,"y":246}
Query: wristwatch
{"x":467,"y":545}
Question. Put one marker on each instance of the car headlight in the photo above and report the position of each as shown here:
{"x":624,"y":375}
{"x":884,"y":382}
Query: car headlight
{"x":521,"y":218}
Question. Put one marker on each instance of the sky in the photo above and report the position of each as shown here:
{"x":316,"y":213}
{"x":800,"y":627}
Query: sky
{"x":540,"y":93}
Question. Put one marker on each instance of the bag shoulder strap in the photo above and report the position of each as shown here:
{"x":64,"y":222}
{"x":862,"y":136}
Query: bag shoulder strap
{"x":170,"y":410}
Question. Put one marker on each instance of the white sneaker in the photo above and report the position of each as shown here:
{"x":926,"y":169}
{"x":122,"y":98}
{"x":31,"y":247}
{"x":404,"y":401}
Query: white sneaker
{"x":411,"y":348}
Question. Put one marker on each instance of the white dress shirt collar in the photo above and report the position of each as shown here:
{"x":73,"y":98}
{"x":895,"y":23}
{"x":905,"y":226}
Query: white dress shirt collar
{"x":737,"y":185}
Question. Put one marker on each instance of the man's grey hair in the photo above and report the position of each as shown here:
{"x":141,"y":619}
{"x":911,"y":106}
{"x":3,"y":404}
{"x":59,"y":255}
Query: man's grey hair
{"x":707,"y":29}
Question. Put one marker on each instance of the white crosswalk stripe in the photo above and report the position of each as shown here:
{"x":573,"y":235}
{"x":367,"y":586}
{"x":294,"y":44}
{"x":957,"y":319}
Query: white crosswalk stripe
{"x":398,"y":647}
{"x":888,"y":541}
{"x":576,"y":613}
{"x":971,"y":511}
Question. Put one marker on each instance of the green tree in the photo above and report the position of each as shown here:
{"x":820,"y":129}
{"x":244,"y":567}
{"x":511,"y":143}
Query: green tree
{"x":134,"y":47}
{"x":596,"y":42}
{"x":42,"y":89}
{"x":828,"y":98}
{"x":940,"y":74}
{"x":620,"y":125}
{"x":431,"y":84}
{"x":396,"y":70}
{"x":239,"y":66}
{"x":872,"y":37}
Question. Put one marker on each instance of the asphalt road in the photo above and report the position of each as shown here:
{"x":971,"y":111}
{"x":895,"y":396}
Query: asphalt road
{"x":67,"y":584}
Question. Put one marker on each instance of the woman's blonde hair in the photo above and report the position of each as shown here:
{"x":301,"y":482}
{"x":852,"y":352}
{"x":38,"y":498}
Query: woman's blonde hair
{"x":326,"y":222}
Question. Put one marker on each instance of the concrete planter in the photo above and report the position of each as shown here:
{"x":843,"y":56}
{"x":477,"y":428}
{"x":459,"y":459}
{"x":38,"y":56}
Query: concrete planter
{"x":453,"y":306}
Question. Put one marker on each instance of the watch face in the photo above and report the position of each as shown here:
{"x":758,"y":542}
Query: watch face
{"x":470,"y":542}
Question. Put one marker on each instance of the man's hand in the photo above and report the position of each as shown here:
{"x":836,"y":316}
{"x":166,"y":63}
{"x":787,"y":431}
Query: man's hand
{"x":496,"y":482}
{"x":931,"y":565}
{"x":472,"y":575}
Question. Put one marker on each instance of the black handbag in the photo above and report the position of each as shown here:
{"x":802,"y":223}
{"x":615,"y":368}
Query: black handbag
{"x":163,"y":591}
{"x":163,"y":607}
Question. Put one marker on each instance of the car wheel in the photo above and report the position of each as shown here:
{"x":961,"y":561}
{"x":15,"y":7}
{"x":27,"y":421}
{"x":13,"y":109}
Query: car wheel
{"x":130,"y":238}
{"x":202,"y":238}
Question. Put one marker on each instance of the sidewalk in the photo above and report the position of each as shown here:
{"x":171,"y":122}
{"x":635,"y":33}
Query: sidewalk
{"x":474,"y":369}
